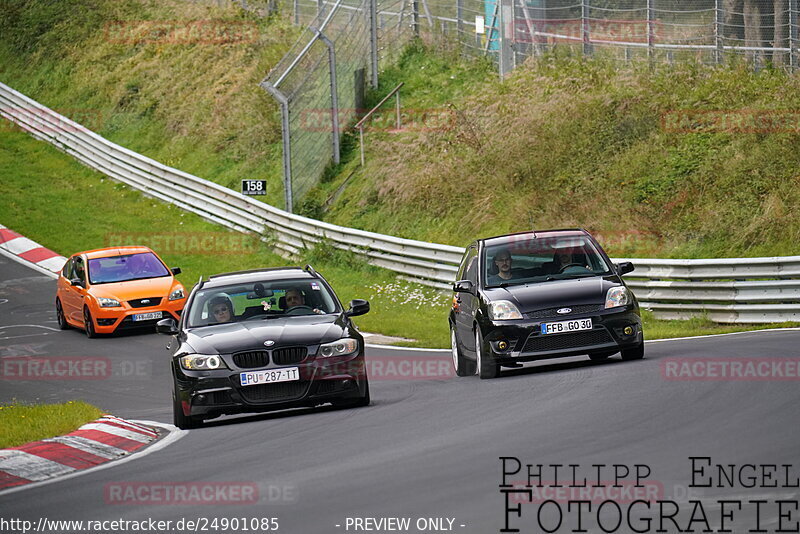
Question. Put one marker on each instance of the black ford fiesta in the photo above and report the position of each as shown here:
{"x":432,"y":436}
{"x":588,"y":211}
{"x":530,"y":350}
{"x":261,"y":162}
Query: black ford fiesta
{"x":265,"y":340}
{"x":537,"y":295}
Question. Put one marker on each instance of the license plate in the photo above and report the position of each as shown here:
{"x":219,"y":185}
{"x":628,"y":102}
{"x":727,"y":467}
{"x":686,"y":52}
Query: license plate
{"x":270,"y":376}
{"x":146,"y":316}
{"x":575,"y":325}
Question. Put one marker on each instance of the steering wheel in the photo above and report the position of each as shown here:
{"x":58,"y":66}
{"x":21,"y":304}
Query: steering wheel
{"x":565,"y":267}
{"x":302,"y":307}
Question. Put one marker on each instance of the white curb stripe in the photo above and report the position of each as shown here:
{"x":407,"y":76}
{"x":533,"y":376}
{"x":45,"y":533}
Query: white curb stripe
{"x":29,"y":466}
{"x":55,"y":264}
{"x":128,"y":425}
{"x":89,"y":445}
{"x":18,"y":245}
{"x":117,"y":431}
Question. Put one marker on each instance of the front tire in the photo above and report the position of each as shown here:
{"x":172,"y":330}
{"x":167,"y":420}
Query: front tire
{"x":62,"y":321}
{"x":487,"y":368}
{"x":88,"y":324}
{"x":636,"y":353}
{"x":462,"y":366}
{"x":184,"y":422}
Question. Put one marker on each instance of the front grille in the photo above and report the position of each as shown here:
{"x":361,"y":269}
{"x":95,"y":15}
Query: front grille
{"x":274,"y":392}
{"x":249,"y":360}
{"x":289,"y":355}
{"x":553,"y":312}
{"x":574,"y":340}
{"x":152,"y":301}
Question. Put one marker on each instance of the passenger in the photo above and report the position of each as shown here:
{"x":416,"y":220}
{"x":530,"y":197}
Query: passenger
{"x":220,"y":309}
{"x":500,"y":268}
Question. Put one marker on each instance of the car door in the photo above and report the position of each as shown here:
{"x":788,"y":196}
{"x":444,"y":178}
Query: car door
{"x":467,"y":303}
{"x":73,"y":294}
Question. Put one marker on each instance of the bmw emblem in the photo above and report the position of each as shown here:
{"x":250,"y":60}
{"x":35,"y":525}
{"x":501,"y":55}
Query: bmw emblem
{"x":269,"y":343}
{"x":563,"y":311}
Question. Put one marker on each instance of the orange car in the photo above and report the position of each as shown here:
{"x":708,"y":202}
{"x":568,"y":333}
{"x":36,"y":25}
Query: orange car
{"x":117,"y":288}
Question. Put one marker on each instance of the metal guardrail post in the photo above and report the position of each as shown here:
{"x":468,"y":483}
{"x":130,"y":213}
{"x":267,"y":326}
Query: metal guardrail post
{"x":287,"y":143}
{"x":459,"y":19}
{"x":587,"y":45}
{"x":506,"y":62}
{"x":373,"y":43}
{"x":334,"y":97}
{"x":397,"y":109}
{"x":793,"y":34}
{"x":651,"y":30}
{"x":718,"y":52}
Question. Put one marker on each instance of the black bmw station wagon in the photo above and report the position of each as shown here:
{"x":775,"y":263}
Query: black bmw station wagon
{"x":537,"y":295}
{"x":261,"y":340}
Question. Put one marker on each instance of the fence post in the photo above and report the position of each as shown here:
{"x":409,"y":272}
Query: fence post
{"x":373,"y":43}
{"x":296,"y":11}
{"x":587,"y":47}
{"x":287,"y":143}
{"x":506,"y":48}
{"x":718,"y":51}
{"x":334,"y":97}
{"x":319,"y":6}
{"x":415,"y":16}
{"x":459,"y":19}
{"x":793,"y":34}
{"x":651,"y":33}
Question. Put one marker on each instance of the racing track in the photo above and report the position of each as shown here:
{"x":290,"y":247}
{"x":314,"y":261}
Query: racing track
{"x":424,"y":448}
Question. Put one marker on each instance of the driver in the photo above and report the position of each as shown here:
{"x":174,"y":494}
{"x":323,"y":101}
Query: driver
{"x":221,"y":309}
{"x":500,"y":268}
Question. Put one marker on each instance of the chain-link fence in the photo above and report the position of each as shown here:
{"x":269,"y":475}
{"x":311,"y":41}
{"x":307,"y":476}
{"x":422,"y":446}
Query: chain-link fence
{"x":347,"y":41}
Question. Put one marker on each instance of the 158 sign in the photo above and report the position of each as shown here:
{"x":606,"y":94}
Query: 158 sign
{"x":254,"y":187}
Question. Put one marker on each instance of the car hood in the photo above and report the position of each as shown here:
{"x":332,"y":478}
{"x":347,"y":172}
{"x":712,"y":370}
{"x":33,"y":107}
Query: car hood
{"x":251,"y":335}
{"x":134,"y":289}
{"x":556,"y":293}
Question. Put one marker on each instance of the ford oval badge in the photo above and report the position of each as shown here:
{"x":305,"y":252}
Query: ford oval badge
{"x":269,"y":343}
{"x":564,"y":311}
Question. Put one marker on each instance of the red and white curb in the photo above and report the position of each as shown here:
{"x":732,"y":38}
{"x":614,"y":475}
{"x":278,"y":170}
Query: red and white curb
{"x":108,"y":438}
{"x":32,"y":252}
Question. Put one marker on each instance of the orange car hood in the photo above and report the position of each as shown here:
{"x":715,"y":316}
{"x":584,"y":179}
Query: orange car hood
{"x":135,"y":289}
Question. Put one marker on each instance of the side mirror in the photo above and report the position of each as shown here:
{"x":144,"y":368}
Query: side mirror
{"x":462,"y":286}
{"x":167,"y":326}
{"x":176,"y":270}
{"x":357,"y":307}
{"x":625,"y":267}
{"x":77,"y":282}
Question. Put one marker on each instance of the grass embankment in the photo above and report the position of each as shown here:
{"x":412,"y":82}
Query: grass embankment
{"x":622,"y":150}
{"x":23,"y":423}
{"x":175,"y":80}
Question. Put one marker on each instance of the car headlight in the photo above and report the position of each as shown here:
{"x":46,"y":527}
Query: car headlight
{"x":177,"y":294}
{"x":502,"y":310}
{"x":338,"y":348}
{"x":194,"y":362}
{"x":617,"y":296}
{"x":108,"y":303}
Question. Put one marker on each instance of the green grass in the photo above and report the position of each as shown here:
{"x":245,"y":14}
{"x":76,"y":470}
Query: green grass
{"x":25,"y":423}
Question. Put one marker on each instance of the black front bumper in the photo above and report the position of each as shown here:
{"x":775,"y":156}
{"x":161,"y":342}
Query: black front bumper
{"x":218,"y":392}
{"x":525,"y":342}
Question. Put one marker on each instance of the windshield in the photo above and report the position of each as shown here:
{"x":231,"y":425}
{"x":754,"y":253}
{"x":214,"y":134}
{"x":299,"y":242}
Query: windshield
{"x":260,"y":301}
{"x":125,"y":268}
{"x":541,"y":259}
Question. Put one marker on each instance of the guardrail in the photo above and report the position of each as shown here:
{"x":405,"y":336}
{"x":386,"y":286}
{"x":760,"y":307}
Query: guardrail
{"x":752,"y":290}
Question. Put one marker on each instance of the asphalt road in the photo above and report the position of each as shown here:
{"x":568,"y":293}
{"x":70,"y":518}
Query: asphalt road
{"x":426,"y":447}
